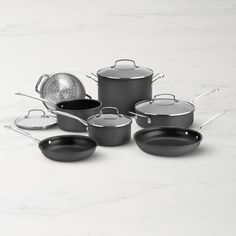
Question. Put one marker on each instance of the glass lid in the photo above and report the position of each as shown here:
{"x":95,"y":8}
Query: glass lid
{"x":164,"y":104}
{"x":105,"y":119}
{"x":126,"y":70}
{"x":37,"y":121}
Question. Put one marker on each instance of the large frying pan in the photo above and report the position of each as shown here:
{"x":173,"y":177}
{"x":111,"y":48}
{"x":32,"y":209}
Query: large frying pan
{"x":64,"y":148}
{"x":170,"y":141}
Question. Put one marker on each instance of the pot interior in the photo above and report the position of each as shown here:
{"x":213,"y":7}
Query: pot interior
{"x":79,"y":104}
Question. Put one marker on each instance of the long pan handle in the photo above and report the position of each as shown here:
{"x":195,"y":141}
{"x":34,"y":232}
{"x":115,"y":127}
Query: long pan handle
{"x":22,"y":132}
{"x":205,"y":94}
{"x":212,"y":119}
{"x":36,"y":98}
{"x":70,"y":116}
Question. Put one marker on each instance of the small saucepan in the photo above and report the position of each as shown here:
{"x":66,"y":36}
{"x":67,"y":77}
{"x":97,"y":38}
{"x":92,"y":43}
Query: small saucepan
{"x":64,"y":148}
{"x":166,"y":110}
{"x":83,"y":108}
{"x":170,"y":141}
{"x":107,"y":128}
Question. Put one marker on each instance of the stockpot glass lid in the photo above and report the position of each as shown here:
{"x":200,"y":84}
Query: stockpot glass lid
{"x":36,"y":119}
{"x":125,"y":69}
{"x":164,"y":104}
{"x":105,"y":119}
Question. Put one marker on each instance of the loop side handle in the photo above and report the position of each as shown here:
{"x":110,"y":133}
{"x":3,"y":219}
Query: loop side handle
{"x":129,"y":60}
{"x":20,"y":131}
{"x":160,"y":75}
{"x":37,"y":86}
{"x":110,"y":108}
{"x":69,"y":115}
{"x":90,"y":77}
{"x":205,"y":94}
{"x":212,"y":119}
{"x":143,"y":116}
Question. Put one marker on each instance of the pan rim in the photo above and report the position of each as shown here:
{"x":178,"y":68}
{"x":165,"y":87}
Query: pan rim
{"x":172,"y":115}
{"x":170,"y":128}
{"x":95,"y":143}
{"x":79,"y":99}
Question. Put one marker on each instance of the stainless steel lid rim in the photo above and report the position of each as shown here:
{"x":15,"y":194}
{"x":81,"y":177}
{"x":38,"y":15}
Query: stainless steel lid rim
{"x":191,"y":108}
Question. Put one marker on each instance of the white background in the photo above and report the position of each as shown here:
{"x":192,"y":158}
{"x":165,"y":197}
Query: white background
{"x":120,"y":191}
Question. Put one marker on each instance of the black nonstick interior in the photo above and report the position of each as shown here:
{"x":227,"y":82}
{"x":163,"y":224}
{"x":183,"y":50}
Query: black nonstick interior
{"x":68,"y":148}
{"x":79,"y":104}
{"x":167,"y":141}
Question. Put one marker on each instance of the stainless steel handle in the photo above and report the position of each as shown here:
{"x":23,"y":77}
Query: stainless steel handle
{"x":35,"y":110}
{"x":160,"y":75}
{"x":33,"y":97}
{"x":69,"y":115}
{"x":212,"y":119}
{"x":143,"y":116}
{"x":37,"y":86}
{"x":129,"y":60}
{"x":110,"y":108}
{"x":206,"y":93}
{"x":22,"y":132}
{"x":90,"y":77}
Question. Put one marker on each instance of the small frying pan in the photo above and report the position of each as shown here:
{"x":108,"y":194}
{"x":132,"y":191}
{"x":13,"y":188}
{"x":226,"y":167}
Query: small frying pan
{"x":170,"y":141}
{"x":64,"y":148}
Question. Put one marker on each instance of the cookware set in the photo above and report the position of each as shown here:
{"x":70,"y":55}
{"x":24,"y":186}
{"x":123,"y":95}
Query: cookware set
{"x":124,"y":90}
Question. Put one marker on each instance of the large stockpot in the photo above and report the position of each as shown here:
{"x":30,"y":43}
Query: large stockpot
{"x":83,"y":108}
{"x":124,"y":84}
{"x":166,"y":110}
{"x":108,"y":129}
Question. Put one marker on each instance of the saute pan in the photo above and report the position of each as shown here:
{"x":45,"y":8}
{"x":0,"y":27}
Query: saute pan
{"x":170,"y":141}
{"x":64,"y":148}
{"x":166,"y":110}
{"x":83,"y":108}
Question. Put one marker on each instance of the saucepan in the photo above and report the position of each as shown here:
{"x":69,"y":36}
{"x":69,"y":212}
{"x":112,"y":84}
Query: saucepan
{"x":166,"y":110}
{"x":108,"y":127}
{"x":64,"y":148}
{"x":83,"y":108}
{"x":170,"y":141}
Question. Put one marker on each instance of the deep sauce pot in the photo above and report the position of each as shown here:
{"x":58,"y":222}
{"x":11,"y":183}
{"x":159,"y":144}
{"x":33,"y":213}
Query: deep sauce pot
{"x":124,"y":84}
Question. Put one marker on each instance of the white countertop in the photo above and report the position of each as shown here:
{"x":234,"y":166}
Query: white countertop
{"x":122,"y":190}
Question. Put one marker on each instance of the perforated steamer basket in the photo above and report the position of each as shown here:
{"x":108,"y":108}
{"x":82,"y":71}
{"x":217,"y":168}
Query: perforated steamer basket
{"x":59,"y":87}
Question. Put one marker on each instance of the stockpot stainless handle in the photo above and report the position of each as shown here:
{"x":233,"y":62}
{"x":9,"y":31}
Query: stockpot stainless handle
{"x":160,"y":75}
{"x":90,"y":77}
{"x":37,"y":86}
{"x":129,"y":60}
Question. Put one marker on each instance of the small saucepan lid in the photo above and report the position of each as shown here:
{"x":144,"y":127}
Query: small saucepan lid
{"x":104,"y":119}
{"x":37,"y":121}
{"x":164,"y":104}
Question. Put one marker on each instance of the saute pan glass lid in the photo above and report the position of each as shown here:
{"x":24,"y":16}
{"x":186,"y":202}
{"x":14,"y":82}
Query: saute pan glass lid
{"x":164,"y":104}
{"x":109,"y":119}
{"x":125,"y":69}
{"x":36,"y":119}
